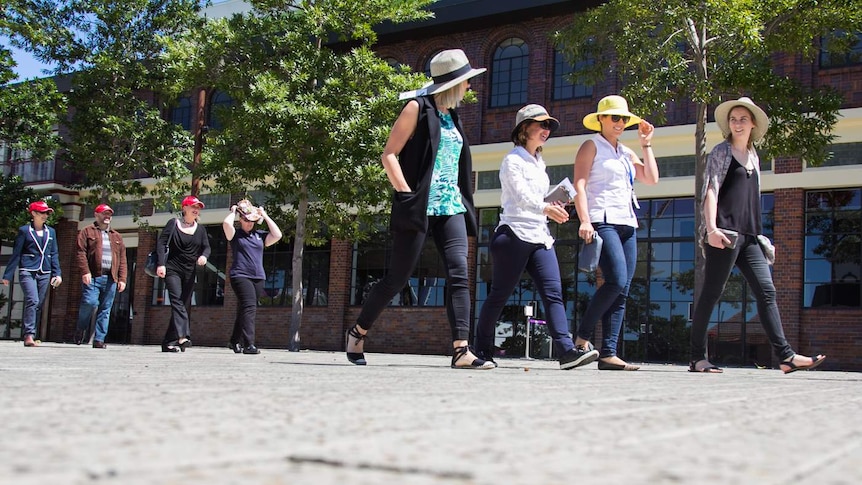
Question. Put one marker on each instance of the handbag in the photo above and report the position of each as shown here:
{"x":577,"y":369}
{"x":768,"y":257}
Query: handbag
{"x":767,"y":248}
{"x":588,"y":257}
{"x":153,"y":258}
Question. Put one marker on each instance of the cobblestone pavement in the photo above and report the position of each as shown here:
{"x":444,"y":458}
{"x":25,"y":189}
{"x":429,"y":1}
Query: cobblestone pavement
{"x":134,"y":415}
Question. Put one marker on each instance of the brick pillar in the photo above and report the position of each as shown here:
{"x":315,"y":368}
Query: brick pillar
{"x":789,"y":260}
{"x":142,"y":315}
{"x":64,"y":300}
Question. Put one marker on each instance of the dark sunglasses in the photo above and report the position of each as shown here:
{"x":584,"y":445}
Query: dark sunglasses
{"x":546,"y":125}
{"x":41,"y":212}
{"x":617,"y":118}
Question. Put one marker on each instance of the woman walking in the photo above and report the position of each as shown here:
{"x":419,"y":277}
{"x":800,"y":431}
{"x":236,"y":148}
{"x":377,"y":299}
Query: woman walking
{"x":427,"y":160}
{"x":605,"y":172}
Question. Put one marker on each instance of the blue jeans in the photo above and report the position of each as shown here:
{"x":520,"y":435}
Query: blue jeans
{"x":35,"y":288}
{"x":511,"y":256}
{"x":617,"y":262}
{"x":450,"y":237}
{"x":749,"y":258}
{"x":98,"y":294}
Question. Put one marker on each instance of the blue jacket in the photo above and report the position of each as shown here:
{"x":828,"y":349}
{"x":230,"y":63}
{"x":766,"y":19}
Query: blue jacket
{"x":34,"y":253}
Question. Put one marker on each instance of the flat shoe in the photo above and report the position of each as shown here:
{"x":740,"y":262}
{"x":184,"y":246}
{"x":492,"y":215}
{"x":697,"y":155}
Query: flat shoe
{"x":791,"y":367}
{"x":170,"y":348}
{"x":611,"y":366}
{"x":710,"y":369}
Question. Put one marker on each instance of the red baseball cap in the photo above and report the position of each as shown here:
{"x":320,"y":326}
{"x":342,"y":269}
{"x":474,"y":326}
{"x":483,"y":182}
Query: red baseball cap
{"x":192,"y":200}
{"x":104,"y":208}
{"x":40,"y":206}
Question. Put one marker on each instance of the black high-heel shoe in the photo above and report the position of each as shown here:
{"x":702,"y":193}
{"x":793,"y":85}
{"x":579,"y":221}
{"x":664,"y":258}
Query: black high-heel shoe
{"x":183,"y":346}
{"x":170,"y":348}
{"x":477,"y":364}
{"x":357,"y":358}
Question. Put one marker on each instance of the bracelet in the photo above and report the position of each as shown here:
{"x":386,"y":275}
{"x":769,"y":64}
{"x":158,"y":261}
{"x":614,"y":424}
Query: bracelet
{"x":646,"y":146}
{"x":712,"y":232}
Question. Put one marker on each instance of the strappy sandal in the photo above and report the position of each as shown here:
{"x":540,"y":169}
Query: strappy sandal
{"x":477,"y":364}
{"x":357,"y":358}
{"x":710,"y":369}
{"x":791,"y":367}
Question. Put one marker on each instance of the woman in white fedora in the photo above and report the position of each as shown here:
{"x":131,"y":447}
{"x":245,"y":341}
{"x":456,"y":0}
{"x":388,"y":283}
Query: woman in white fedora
{"x":605,"y":172}
{"x":427,"y":160}
{"x":731,"y":226}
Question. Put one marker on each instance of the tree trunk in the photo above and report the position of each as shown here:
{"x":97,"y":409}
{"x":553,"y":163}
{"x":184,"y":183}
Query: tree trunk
{"x":200,"y":132}
{"x":293,"y":343}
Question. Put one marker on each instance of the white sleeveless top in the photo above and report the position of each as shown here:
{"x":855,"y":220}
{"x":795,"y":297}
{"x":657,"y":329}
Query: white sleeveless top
{"x":610,"y":186}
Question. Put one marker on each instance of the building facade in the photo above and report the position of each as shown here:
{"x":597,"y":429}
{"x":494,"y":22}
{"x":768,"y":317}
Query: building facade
{"x":814,"y":214}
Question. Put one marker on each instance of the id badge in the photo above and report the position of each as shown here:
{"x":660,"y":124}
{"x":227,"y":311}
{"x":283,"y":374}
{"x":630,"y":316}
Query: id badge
{"x":635,"y":200}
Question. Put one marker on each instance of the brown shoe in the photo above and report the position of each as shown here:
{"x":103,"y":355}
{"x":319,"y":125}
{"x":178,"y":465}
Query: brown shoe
{"x":99,"y":345}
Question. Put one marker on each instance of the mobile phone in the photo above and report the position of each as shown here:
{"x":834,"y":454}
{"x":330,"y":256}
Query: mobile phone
{"x":732,"y":235}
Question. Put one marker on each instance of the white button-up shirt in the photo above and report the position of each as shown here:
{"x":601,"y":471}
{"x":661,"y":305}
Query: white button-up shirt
{"x":610,"y":186}
{"x":524,"y":185}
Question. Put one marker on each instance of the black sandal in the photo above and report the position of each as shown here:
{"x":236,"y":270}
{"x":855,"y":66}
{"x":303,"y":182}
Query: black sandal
{"x":357,"y":358}
{"x":477,"y":364}
{"x":791,"y":367}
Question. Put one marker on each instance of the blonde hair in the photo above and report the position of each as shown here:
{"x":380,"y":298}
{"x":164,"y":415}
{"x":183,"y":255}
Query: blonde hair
{"x":452,"y":97}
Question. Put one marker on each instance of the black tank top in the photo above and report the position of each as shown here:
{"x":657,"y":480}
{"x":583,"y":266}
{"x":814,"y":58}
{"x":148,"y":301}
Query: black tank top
{"x":739,"y":201}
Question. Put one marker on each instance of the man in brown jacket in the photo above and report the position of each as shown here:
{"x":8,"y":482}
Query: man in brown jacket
{"x":101,"y":257}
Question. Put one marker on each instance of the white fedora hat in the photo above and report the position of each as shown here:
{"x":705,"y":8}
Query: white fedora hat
{"x":448,"y":69}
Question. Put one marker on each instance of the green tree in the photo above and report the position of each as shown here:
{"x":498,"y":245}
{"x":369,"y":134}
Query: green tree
{"x":312,"y":107}
{"x":116,"y":131}
{"x":712,"y":50}
{"x":29,"y":110}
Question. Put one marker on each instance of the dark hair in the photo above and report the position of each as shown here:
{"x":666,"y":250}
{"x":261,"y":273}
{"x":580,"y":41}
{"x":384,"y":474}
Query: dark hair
{"x":520,"y":138}
{"x":729,"y":136}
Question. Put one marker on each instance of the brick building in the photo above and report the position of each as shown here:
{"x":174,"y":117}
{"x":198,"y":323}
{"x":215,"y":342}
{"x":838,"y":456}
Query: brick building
{"x":813,"y":214}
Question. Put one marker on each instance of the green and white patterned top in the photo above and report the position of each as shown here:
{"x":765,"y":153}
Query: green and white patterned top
{"x":445,"y":196}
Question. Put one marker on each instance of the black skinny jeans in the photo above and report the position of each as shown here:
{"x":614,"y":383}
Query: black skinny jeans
{"x":450,"y":237}
{"x":248,"y":291}
{"x":180,"y":291}
{"x":749,"y":258}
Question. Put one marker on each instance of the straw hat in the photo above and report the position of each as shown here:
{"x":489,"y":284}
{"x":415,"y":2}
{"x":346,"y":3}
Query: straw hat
{"x":533,"y":112}
{"x":247,"y":210}
{"x":761,"y":121}
{"x":448,"y":69}
{"x":610,"y":105}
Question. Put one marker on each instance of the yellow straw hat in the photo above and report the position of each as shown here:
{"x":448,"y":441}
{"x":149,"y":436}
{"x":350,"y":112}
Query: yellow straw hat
{"x":610,"y":105}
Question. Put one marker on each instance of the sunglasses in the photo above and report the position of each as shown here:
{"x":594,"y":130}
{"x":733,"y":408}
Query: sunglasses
{"x":546,"y":125}
{"x":617,"y":118}
{"x":41,"y":212}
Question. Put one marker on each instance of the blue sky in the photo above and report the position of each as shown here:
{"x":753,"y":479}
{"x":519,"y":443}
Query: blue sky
{"x":28,"y":68}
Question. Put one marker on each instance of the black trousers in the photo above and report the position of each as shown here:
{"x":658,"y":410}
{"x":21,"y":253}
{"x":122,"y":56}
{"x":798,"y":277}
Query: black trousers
{"x":248,"y":291}
{"x":450,"y":237}
{"x":180,"y":289}
{"x":749,"y":258}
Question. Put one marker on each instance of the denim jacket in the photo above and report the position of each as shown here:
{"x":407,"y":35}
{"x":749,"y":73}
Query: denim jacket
{"x":33,"y":253}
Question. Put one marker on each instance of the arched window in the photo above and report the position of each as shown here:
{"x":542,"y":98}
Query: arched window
{"x":221,"y":102}
{"x":563,"y":88}
{"x":181,"y":114}
{"x":509,"y":73}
